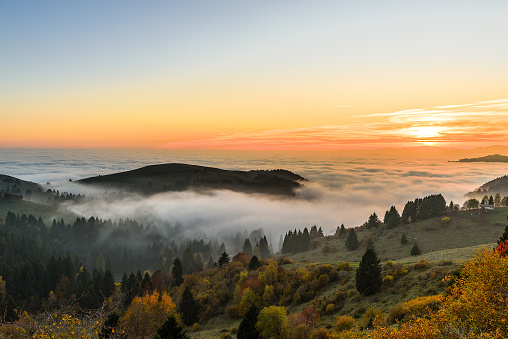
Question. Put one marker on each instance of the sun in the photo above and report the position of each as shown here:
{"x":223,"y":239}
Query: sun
{"x":426,"y":132}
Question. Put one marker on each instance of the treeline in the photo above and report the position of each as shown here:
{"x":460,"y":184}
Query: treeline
{"x":298,"y":241}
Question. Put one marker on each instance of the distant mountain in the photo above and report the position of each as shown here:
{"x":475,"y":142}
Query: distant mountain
{"x":498,"y":185}
{"x":488,"y":158}
{"x":179,"y":177}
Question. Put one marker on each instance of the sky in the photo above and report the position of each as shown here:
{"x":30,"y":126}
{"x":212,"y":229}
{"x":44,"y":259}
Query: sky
{"x":265,"y":75}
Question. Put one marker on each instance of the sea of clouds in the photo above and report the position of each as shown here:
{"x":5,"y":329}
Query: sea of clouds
{"x":340,"y":189}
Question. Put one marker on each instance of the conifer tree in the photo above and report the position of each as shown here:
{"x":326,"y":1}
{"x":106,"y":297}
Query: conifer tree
{"x":263,"y":248}
{"x":254,"y":263}
{"x":188,"y":308}
{"x":368,"y":275}
{"x":415,"y":250}
{"x":403,"y":239}
{"x":224,"y":259}
{"x":409,"y":212}
{"x":352,"y":240}
{"x":247,"y":247}
{"x":170,"y":329}
{"x":247,"y":328}
{"x":370,"y":245}
{"x":305,"y":240}
{"x":177,"y":272}
{"x":342,"y":232}
{"x":373,"y":221}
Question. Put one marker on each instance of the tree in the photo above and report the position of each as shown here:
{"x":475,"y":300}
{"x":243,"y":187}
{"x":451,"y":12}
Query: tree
{"x":188,"y":308}
{"x":373,"y":221}
{"x":370,"y":245}
{"x":177,"y":272}
{"x":497,"y":200}
{"x":247,"y":328}
{"x":403,"y":239}
{"x":409,"y":212}
{"x":272,"y":322}
{"x":342,"y":232}
{"x":415,"y":250}
{"x":254,"y":263}
{"x":491,"y":200}
{"x":224,"y":259}
{"x":368,"y":275}
{"x":472,"y":204}
{"x":171,"y":330}
{"x":153,"y":307}
{"x":247,"y":247}
{"x":392,"y":218}
{"x":352,"y":240}
{"x":264,"y":248}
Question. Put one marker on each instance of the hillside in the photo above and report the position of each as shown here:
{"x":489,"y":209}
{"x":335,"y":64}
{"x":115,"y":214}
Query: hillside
{"x":498,"y":185}
{"x":488,"y":158}
{"x":179,"y":177}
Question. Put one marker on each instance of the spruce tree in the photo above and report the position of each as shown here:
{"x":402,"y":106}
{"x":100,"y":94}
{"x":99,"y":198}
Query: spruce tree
{"x":373,"y":221}
{"x":224,"y":259}
{"x":352,"y":240}
{"x":368,"y":275}
{"x":305,"y":240}
{"x":403,"y":239}
{"x":247,"y":328}
{"x":188,"y":308}
{"x":342,"y":232}
{"x":415,"y":250}
{"x":177,"y":272}
{"x":170,"y":329}
{"x":263,"y":247}
{"x":247,"y":247}
{"x":254,"y":263}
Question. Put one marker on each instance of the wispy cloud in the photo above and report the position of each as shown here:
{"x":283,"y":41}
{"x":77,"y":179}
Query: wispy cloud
{"x":460,"y":125}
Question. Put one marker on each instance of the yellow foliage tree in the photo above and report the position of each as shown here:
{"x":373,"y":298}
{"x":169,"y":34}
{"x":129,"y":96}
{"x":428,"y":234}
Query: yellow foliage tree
{"x":146,"y":314}
{"x":273,"y":322}
{"x":269,"y":275}
{"x":477,"y":301}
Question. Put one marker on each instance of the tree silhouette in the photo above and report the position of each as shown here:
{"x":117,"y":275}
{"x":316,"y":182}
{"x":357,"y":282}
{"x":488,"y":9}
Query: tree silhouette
{"x":247,"y":328}
{"x":352,"y":240}
{"x":254,"y":263}
{"x":171,"y":330}
{"x":224,"y":259}
{"x":177,"y":272}
{"x":188,"y":307}
{"x":368,"y":274}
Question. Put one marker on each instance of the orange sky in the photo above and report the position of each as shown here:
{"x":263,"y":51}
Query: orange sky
{"x":286,"y":75}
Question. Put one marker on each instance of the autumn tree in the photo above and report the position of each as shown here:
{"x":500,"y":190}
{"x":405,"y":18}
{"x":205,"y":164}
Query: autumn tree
{"x":154,"y":307}
{"x":247,"y":328}
{"x":368,"y":275}
{"x":188,"y":307}
{"x":272,"y":322}
{"x":352,"y":240}
{"x":497,"y":200}
{"x":472,"y":204}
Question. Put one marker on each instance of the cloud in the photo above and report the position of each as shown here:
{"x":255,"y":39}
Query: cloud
{"x":459,"y":125}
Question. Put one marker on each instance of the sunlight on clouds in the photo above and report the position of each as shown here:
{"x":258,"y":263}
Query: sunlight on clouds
{"x":460,"y":125}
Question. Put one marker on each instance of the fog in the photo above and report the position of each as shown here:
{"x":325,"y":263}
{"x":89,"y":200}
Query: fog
{"x":339,"y":191}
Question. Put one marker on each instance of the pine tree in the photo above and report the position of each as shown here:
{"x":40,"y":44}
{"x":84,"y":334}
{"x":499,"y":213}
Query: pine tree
{"x":370,"y":245}
{"x":224,"y":259}
{"x":247,"y":247}
{"x":263,"y":247}
{"x":254,"y":263}
{"x":247,"y":328}
{"x":368,"y":274}
{"x":342,"y":232}
{"x":373,"y":221}
{"x":170,"y":329}
{"x":177,"y":272}
{"x":188,"y":308}
{"x":352,"y":240}
{"x":409,"y":212}
{"x":415,"y":250}
{"x":403,"y":239}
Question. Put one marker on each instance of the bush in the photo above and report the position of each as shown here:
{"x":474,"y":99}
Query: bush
{"x":372,"y":316}
{"x":445,"y":220}
{"x":330,"y":308}
{"x":321,"y":333}
{"x":388,"y":280}
{"x":344,"y":266}
{"x":195,"y":327}
{"x":344,"y":323}
{"x":421,"y":264}
{"x":233,"y":330}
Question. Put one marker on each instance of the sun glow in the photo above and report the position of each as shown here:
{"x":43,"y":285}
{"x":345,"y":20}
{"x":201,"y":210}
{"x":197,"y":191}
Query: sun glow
{"x":424,"y":132}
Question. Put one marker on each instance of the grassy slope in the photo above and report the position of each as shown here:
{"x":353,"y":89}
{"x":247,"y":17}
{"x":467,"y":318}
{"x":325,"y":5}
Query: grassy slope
{"x":464,"y":232}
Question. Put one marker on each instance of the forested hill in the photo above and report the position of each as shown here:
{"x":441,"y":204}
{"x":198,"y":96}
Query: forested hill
{"x":179,"y":177}
{"x":488,"y":158}
{"x":498,"y":185}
